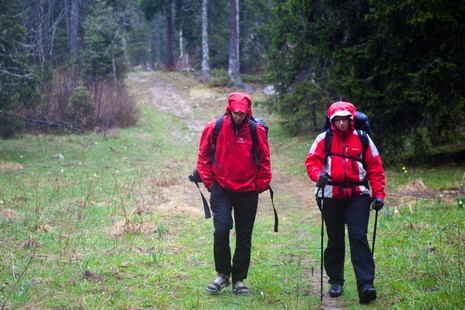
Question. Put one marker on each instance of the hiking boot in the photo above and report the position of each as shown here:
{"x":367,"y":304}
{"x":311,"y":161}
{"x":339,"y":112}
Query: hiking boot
{"x":335,"y":290}
{"x":367,"y":294}
{"x":239,"y":288}
{"x":218,"y":284}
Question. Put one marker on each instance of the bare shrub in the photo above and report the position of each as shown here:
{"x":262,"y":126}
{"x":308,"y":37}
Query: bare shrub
{"x":113,"y":106}
{"x":71,"y":105}
{"x":52,"y":112}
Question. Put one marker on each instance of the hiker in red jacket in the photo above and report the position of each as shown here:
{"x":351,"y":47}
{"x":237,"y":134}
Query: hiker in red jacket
{"x":343,"y":176}
{"x":234,"y":179}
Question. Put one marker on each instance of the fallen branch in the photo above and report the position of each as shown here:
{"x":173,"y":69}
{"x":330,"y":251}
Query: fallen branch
{"x":46,"y":123}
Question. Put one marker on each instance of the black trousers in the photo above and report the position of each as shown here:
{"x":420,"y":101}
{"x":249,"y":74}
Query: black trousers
{"x":355,"y":213}
{"x":244,"y":205}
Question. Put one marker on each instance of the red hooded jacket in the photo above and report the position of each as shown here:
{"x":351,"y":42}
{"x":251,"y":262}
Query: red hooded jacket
{"x":344,"y":170}
{"x":235,"y":168}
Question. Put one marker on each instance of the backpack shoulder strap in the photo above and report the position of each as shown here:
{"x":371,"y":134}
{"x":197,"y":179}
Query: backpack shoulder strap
{"x":253,"y":133}
{"x":216,"y":131}
{"x":363,"y":136}
{"x":364,"y":140}
{"x":328,"y":142}
{"x":253,"y":129}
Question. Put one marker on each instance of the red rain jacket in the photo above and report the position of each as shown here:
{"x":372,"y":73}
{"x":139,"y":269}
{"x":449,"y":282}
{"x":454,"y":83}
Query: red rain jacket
{"x":345,"y":170}
{"x":235,"y":168}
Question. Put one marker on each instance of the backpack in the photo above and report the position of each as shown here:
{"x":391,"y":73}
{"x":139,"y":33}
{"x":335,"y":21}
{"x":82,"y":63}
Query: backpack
{"x":362,"y":126}
{"x":253,"y":132}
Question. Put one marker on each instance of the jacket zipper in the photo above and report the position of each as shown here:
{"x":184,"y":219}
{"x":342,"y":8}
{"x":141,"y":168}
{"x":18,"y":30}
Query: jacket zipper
{"x":344,"y":159}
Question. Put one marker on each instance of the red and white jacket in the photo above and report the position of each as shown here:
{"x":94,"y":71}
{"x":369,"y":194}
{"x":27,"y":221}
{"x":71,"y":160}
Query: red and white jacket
{"x":344,"y":171}
{"x":235,"y":168}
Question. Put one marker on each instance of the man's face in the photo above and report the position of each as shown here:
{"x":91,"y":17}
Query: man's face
{"x":238,"y":117}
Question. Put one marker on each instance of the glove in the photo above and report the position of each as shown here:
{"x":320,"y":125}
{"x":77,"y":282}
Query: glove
{"x":195,"y":177}
{"x":377,"y":203}
{"x":323,"y":180}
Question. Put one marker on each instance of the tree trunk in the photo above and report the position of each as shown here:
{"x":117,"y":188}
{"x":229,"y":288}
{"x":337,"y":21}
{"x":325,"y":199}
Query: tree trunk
{"x":74,"y":32}
{"x":233,"y":69}
{"x":155,"y":50}
{"x":39,"y":37}
{"x":181,"y":49}
{"x":113,"y":69}
{"x":205,"y":51}
{"x":47,"y":16}
{"x":169,"y":31}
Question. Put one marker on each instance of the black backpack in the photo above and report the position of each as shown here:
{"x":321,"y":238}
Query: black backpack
{"x":253,"y":132}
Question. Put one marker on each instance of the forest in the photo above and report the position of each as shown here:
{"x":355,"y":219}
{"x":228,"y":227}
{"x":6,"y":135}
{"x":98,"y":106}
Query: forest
{"x":63,"y":63}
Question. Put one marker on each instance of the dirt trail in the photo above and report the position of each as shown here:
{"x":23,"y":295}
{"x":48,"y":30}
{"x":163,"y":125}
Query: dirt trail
{"x":194,"y":104}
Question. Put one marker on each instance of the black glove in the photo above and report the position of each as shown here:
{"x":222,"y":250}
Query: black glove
{"x":195,"y":177}
{"x":377,"y":203}
{"x":323,"y":180}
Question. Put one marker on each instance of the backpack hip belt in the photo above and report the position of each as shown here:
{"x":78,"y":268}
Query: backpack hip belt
{"x":350,"y":184}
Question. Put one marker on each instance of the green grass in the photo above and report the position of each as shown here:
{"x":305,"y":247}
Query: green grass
{"x":421,"y":253}
{"x":90,"y":228}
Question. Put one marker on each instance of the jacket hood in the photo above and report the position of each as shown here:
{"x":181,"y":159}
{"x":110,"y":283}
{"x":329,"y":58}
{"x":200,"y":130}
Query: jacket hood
{"x":342,"y":108}
{"x":239,"y":102}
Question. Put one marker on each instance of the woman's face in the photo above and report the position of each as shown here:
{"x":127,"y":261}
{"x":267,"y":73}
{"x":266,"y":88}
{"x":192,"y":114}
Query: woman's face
{"x":341,"y":122}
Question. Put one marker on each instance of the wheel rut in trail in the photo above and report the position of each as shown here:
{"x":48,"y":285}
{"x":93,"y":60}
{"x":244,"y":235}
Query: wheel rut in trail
{"x":194,"y":105}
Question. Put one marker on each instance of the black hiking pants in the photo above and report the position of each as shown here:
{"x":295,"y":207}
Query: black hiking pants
{"x":244,"y":205}
{"x":355,"y":213}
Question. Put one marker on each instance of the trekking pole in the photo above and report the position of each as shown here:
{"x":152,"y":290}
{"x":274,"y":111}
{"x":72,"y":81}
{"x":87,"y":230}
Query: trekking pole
{"x":374,"y":235}
{"x":321,"y":205}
